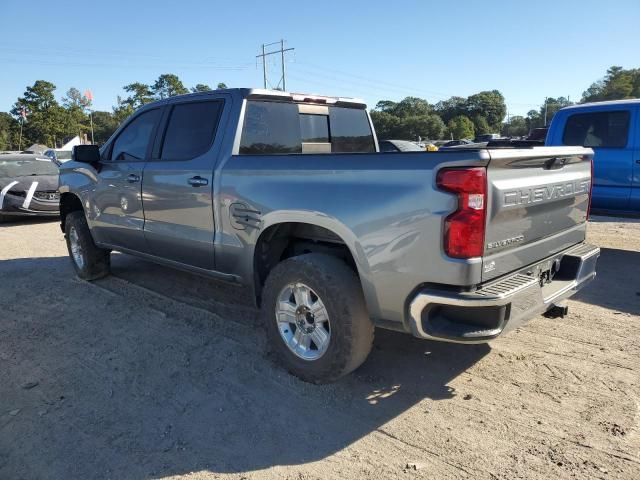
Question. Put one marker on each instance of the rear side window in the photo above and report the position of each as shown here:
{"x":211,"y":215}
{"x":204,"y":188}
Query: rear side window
{"x":350,"y":131}
{"x":280,"y":128}
{"x":132,"y":142}
{"x":191,"y":130}
{"x":270,"y":128}
{"x":597,"y":129}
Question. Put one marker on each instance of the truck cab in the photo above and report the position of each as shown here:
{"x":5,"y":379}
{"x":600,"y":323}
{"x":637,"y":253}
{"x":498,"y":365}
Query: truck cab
{"x":612,"y":130}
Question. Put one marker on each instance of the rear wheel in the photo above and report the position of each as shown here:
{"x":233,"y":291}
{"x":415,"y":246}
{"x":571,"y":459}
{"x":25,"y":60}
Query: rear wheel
{"x":89,"y":261}
{"x":317,"y":323}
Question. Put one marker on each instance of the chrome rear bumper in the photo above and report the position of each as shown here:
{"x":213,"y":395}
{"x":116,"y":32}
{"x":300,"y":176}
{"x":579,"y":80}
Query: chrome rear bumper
{"x":501,"y":305}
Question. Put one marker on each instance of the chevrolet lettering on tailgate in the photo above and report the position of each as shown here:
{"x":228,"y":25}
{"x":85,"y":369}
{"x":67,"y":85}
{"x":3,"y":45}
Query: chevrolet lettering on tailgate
{"x":545,"y":193}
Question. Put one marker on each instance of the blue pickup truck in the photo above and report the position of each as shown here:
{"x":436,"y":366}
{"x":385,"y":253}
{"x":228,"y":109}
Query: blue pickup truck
{"x":612,"y":130}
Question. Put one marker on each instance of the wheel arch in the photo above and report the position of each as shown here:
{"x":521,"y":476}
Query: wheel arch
{"x":69,"y":202}
{"x":292,"y":234}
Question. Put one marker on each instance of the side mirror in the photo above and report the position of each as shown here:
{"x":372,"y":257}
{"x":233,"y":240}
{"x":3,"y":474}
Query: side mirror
{"x":86,"y":154}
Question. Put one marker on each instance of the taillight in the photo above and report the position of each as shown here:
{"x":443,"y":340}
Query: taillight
{"x":464,"y":228}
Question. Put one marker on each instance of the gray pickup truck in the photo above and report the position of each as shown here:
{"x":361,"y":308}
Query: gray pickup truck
{"x":288,"y":196}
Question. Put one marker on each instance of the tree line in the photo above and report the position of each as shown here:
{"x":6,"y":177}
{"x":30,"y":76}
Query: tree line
{"x":485,"y":112}
{"x":51,"y":122}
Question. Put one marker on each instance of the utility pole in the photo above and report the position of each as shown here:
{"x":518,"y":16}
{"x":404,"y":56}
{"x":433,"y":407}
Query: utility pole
{"x":264,"y":55}
{"x":545,"y":111}
{"x":264,"y":67}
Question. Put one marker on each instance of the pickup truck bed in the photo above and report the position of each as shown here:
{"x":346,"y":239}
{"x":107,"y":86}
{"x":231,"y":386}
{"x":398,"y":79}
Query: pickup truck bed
{"x":292,"y":200}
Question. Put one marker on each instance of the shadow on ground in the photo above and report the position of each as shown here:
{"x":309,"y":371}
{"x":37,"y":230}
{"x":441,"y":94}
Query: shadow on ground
{"x":14,"y":221}
{"x":613,"y":286}
{"x":153,"y":372}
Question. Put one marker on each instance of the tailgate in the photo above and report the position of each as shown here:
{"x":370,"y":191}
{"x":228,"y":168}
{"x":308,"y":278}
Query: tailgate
{"x":538,"y":203}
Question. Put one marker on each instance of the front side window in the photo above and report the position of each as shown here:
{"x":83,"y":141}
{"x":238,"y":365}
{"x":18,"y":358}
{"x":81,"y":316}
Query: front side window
{"x":191,"y":130}
{"x":270,"y":128}
{"x":132,"y":142}
{"x":597,"y":129}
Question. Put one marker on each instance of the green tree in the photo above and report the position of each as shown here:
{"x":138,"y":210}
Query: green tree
{"x":9,"y":131}
{"x":516,"y":127}
{"x":617,"y":84}
{"x":201,"y":87}
{"x":122,"y":109}
{"x":104,"y":124}
{"x":429,"y":126}
{"x":386,"y":106}
{"x":481,"y":126}
{"x":453,"y":107}
{"x":411,"y":107}
{"x":168,"y":85}
{"x":222,"y":85}
{"x":387,"y":126}
{"x":44,"y":122}
{"x":140,"y":94}
{"x":489,"y":105}
{"x":75,"y":120}
{"x":461,"y":127}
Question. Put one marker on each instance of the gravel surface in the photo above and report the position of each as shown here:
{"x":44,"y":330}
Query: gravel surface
{"x":153,"y":373}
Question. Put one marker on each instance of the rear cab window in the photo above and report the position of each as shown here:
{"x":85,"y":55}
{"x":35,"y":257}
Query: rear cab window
{"x":607,"y":129}
{"x":273,"y":128}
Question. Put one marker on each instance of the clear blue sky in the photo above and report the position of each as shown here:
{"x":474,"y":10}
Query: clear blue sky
{"x":373,"y":50}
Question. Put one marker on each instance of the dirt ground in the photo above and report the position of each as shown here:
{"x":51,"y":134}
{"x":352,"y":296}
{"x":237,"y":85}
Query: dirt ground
{"x":152,"y":373}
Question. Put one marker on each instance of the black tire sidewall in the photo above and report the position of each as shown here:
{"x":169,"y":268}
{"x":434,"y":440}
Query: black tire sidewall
{"x":96,"y":260}
{"x":337,"y":286}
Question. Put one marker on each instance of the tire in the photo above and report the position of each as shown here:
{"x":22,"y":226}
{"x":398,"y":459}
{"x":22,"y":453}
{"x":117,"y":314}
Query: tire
{"x":350,"y":330}
{"x":89,"y":261}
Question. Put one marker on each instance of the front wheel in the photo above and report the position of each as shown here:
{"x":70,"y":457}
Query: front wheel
{"x":316,"y":319}
{"x":89,"y":261}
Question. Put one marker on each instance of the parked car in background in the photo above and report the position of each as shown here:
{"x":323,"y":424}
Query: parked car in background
{"x":58,"y":156}
{"x":487,"y":137}
{"x":538,"y":134}
{"x":455,"y":143}
{"x":399,"y":146}
{"x":287,"y":195}
{"x":28,"y":186}
{"x":612,"y":130}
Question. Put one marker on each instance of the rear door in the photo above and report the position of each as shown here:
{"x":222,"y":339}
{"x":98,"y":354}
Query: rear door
{"x":177,"y":190}
{"x":538,"y":203}
{"x":608,"y":131}
{"x":117,"y":204}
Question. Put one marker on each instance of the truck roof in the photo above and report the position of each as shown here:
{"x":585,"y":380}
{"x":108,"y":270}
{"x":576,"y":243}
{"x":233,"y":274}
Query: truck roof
{"x":610,"y":103}
{"x":265,"y":94}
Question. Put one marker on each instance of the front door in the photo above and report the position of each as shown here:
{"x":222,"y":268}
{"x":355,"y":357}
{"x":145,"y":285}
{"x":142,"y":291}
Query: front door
{"x":117,"y":213}
{"x":177,"y":189}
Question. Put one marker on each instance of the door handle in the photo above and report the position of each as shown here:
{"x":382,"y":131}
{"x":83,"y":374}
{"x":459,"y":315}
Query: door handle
{"x":198,"y":181}
{"x":638,"y":161}
{"x":133,"y":178}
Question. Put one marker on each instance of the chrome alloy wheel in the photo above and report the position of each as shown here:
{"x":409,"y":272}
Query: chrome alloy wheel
{"x":303,"y":321}
{"x":76,"y":248}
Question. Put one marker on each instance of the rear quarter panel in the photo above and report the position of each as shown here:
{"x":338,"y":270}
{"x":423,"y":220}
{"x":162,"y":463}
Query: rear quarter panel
{"x":384,"y":207}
